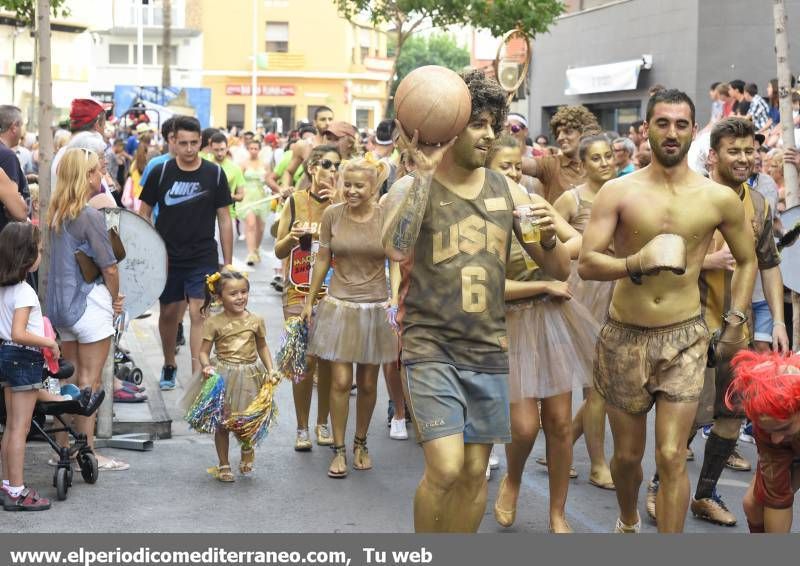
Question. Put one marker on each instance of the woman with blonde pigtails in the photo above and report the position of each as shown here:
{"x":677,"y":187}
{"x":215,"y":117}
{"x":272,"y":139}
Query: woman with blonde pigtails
{"x":352,"y":325}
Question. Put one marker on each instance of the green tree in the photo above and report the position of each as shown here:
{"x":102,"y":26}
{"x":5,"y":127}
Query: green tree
{"x":404,"y":17}
{"x":438,"y":49}
{"x":26,"y":9}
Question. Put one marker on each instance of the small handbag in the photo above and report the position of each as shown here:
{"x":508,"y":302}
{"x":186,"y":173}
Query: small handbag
{"x":89,"y":269}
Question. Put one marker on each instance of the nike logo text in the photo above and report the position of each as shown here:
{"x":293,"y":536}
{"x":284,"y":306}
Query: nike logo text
{"x":442,"y":203}
{"x":183,"y":191}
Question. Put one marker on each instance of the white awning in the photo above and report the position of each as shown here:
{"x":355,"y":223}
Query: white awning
{"x":604,"y":78}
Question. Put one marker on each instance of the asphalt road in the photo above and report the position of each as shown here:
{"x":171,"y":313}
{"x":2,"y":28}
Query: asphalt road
{"x":168,"y":490}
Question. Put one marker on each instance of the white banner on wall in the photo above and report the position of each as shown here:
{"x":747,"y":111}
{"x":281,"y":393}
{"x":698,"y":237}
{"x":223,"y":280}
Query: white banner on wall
{"x":604,"y":78}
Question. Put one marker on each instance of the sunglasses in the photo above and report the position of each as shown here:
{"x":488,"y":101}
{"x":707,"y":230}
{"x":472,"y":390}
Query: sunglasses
{"x":515,"y":128}
{"x":327,"y":164}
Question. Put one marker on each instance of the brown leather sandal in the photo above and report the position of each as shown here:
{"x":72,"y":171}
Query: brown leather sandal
{"x":339,"y":455}
{"x":361,"y":459}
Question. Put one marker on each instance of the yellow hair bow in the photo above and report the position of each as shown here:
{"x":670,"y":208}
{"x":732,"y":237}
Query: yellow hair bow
{"x":211,"y":281}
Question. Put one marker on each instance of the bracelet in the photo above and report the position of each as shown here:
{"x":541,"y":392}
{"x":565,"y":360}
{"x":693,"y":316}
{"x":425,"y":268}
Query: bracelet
{"x":779,"y":324}
{"x":550,"y":245}
{"x":733,"y":312}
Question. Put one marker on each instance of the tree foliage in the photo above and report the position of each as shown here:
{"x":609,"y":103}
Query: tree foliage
{"x":26,"y":9}
{"x":498,"y":16}
{"x":404,"y":17}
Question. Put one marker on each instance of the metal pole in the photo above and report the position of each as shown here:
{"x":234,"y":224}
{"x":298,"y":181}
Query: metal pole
{"x":254,"y":70}
{"x":139,"y":43}
{"x":105,"y":414}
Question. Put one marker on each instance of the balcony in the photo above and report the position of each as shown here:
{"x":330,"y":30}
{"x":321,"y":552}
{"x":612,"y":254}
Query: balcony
{"x":125,"y":14}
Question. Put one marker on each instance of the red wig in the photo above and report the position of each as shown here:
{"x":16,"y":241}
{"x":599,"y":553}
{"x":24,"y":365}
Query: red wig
{"x":765,"y":385}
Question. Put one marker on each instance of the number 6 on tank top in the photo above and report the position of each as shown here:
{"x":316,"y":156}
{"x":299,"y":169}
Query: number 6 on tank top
{"x":473,"y":290}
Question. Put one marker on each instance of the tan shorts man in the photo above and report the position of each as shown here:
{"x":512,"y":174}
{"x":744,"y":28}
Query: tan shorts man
{"x":660,"y":220}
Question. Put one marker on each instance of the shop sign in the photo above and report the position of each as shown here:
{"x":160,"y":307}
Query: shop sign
{"x":261,"y":90}
{"x":604,"y":78}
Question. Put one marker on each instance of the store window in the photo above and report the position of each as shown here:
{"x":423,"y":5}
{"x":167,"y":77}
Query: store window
{"x":173,"y":55}
{"x":147,"y":55}
{"x":234,"y":116}
{"x":363,"y":118}
{"x":275,"y":118}
{"x":277,"y":37}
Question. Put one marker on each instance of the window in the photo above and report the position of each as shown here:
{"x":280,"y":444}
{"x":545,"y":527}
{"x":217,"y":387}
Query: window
{"x":118,"y":54}
{"x":173,"y":55}
{"x":365,"y":42}
{"x":364,"y":53}
{"x":234,"y":116}
{"x":275,"y":118}
{"x":277,"y":37}
{"x":363,"y":118}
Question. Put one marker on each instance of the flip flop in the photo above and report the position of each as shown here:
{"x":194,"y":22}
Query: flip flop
{"x":609,"y":486}
{"x":112,"y":465}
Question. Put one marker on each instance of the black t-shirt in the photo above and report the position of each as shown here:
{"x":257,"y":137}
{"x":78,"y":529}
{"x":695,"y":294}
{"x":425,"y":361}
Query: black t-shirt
{"x":187,"y":210}
{"x":9,"y":162}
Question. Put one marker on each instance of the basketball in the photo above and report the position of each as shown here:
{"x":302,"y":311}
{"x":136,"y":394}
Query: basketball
{"x":435,"y":101}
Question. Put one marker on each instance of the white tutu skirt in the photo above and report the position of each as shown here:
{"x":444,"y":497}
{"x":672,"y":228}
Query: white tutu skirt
{"x":360,"y":333}
{"x":594,"y":295}
{"x":550,"y":348}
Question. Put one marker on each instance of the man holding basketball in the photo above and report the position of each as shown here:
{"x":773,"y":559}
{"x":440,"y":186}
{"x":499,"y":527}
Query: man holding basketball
{"x":450,"y":227}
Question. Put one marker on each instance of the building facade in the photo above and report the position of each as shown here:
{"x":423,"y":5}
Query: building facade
{"x":606,"y":55}
{"x":115,"y":52}
{"x":306,"y":56}
{"x":71,"y":69}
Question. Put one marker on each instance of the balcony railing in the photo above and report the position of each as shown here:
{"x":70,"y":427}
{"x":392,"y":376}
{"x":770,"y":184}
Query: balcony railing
{"x":125,"y":13}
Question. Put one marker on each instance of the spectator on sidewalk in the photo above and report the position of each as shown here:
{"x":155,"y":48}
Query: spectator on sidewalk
{"x":13,"y":184}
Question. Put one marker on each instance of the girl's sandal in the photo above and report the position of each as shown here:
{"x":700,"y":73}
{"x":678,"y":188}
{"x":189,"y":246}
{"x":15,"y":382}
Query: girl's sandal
{"x":247,"y":463}
{"x":338,"y":467}
{"x":222,"y":473}
{"x":361,"y":459}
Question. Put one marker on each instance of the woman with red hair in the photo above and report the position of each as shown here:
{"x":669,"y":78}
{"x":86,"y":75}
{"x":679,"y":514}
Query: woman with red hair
{"x":767,"y":387}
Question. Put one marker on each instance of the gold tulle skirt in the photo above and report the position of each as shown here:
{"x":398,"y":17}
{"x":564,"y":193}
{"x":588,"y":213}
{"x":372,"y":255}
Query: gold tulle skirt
{"x":242,"y":384}
{"x":352,"y":332}
{"x":551,"y":346}
{"x":594,"y":295}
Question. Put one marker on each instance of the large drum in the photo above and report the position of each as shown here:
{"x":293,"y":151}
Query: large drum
{"x":790,"y":253}
{"x":143,"y":272}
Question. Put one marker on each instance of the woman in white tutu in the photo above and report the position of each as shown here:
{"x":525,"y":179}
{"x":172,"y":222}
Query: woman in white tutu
{"x":550,"y":348}
{"x":575,"y":206}
{"x":351,"y":324}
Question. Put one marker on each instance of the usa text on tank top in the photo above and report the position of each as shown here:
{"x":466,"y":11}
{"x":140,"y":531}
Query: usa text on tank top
{"x":452,"y":307}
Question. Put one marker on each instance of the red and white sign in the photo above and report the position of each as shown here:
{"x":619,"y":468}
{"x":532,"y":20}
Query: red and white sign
{"x":261,"y":90}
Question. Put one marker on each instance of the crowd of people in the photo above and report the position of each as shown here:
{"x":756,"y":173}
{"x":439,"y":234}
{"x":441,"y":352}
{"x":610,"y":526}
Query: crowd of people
{"x":488,"y":278}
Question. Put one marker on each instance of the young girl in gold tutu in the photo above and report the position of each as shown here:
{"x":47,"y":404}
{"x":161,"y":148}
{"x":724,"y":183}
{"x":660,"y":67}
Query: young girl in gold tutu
{"x":239,"y":340}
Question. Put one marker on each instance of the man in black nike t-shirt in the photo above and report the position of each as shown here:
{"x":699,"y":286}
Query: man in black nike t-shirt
{"x":191,"y":194}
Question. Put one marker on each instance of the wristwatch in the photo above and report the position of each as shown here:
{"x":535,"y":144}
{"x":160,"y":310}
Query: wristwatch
{"x":550,"y":244}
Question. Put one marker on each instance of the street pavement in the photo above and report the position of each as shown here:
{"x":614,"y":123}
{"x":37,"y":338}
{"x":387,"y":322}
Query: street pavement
{"x":167,"y":490}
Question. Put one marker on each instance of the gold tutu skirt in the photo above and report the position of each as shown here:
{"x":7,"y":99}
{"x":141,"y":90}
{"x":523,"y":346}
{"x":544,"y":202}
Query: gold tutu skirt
{"x":242,"y":384}
{"x":551,"y":346}
{"x":352,"y":332}
{"x":594,"y":295}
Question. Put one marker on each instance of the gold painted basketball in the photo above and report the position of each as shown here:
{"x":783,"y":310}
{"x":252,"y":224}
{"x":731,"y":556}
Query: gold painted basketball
{"x":435,"y":101}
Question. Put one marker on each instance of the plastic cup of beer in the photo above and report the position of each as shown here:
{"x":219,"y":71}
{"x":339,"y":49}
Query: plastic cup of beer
{"x":529,"y":225}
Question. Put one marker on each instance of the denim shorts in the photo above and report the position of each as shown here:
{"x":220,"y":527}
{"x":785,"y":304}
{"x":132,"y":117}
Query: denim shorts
{"x":186,"y":283}
{"x":445,"y":400}
{"x":21,"y":369}
{"x":762,"y":321}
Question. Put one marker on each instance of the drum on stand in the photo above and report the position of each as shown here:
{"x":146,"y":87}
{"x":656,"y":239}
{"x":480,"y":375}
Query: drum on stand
{"x":143,"y":272}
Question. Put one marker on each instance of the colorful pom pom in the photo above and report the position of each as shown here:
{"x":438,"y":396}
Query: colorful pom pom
{"x":291,"y":359}
{"x":206,"y":413}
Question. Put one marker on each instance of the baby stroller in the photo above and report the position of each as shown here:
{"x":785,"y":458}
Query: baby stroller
{"x":125,"y":369}
{"x":87,"y":461}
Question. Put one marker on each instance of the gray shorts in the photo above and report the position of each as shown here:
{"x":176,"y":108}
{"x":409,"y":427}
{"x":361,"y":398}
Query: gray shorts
{"x":445,"y":400}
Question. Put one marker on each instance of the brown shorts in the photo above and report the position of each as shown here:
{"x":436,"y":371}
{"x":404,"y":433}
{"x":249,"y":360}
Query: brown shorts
{"x":634,"y":364}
